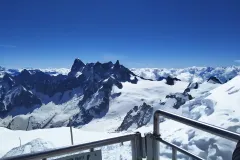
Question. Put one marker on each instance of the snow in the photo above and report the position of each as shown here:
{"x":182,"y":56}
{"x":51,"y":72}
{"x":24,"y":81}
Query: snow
{"x":214,"y":104}
{"x":33,"y":146}
{"x":78,"y":74}
{"x":132,"y":95}
{"x":190,"y":74}
{"x":204,"y":88}
{"x":216,"y":107}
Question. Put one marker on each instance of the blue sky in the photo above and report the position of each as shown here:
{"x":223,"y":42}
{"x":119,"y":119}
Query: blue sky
{"x":140,"y":33}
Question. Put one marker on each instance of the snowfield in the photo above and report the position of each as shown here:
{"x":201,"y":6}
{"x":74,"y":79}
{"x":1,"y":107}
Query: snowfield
{"x":213,"y":103}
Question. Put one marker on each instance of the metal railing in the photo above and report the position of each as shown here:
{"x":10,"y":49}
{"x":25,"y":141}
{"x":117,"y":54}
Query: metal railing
{"x":147,"y":147}
{"x":193,"y":123}
{"x":134,"y":138}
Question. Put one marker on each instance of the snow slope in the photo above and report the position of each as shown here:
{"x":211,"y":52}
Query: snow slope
{"x":33,"y":146}
{"x":218,"y":107}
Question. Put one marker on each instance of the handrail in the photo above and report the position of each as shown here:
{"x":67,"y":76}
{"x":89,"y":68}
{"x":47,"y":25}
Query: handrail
{"x":193,"y":123}
{"x":76,"y":148}
{"x":180,"y":149}
{"x":196,"y":124}
{"x":151,"y":141}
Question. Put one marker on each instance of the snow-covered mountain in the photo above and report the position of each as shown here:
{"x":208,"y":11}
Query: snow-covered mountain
{"x":109,"y":99}
{"x":33,"y":146}
{"x":191,"y":74}
{"x":90,"y":85}
{"x":50,"y":71}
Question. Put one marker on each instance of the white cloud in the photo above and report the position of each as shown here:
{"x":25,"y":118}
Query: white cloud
{"x":237,"y":61}
{"x":7,"y":46}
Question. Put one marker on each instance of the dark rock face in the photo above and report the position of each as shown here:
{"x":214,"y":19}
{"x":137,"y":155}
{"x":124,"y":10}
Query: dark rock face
{"x":7,"y":82}
{"x":169,"y":80}
{"x":214,"y":80}
{"x":139,"y":116}
{"x":161,"y":78}
{"x":191,"y":86}
{"x":18,"y":96}
{"x":181,"y":99}
{"x":95,"y":104}
{"x":22,"y":97}
{"x":42,"y":82}
{"x":82,"y":118}
{"x":77,"y":66}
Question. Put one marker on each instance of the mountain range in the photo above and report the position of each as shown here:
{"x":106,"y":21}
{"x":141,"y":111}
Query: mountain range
{"x":110,"y":98}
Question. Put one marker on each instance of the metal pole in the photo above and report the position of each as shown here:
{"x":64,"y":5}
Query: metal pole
{"x":136,"y":146}
{"x":149,"y":146}
{"x":193,"y":156}
{"x":156,"y":134}
{"x":20,"y":142}
{"x":139,"y":146}
{"x":71,"y":133}
{"x":174,"y":154}
{"x":133,"y":145}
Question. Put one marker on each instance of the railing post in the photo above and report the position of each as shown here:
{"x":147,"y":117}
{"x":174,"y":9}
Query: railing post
{"x":137,"y":150}
{"x":174,"y":154}
{"x":144,"y":150}
{"x":156,"y":134}
{"x":134,"y":152}
{"x":149,"y":146}
{"x":71,"y":133}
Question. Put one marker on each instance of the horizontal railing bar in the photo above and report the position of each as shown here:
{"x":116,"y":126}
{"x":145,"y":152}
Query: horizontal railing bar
{"x":71,"y":149}
{"x":180,"y":149}
{"x":199,"y":125}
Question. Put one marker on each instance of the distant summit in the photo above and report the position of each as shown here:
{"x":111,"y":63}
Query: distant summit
{"x":214,"y":80}
{"x":77,"y":66}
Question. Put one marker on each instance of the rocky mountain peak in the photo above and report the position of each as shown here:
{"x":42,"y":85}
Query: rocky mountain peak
{"x":77,"y":66}
{"x":117,"y":65}
{"x":214,"y":80}
{"x":169,"y":79}
{"x":25,"y":73}
{"x":139,"y":116}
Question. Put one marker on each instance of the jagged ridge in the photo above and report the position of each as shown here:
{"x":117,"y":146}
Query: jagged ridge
{"x":94,"y":82}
